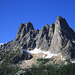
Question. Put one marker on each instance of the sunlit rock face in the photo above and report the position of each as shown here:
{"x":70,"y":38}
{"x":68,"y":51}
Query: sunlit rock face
{"x":62,"y":38}
{"x":25,"y":36}
{"x":56,"y":38}
{"x":30,"y":38}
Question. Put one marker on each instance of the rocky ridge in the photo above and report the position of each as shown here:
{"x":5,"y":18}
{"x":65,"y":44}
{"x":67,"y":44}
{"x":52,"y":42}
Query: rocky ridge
{"x":57,"y":38}
{"x":54,"y":44}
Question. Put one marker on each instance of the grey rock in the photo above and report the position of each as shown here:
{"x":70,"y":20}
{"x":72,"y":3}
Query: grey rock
{"x":45,"y":36}
{"x":61,"y":41}
{"x":24,"y":72}
{"x":21,"y":56}
{"x":42,"y":38}
{"x":24,"y":35}
{"x":30,"y":38}
{"x":6,"y":45}
{"x":51,"y":32}
{"x":21,"y":72}
{"x":57,"y":38}
{"x":29,"y":41}
{"x":23,"y":30}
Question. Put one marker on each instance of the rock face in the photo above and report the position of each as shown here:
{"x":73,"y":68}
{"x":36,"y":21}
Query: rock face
{"x":57,"y":38}
{"x":44,"y":37}
{"x":29,"y":38}
{"x":62,"y":38}
{"x":6,"y":45}
{"x":23,"y":30}
{"x":25,"y":36}
{"x":21,"y":57}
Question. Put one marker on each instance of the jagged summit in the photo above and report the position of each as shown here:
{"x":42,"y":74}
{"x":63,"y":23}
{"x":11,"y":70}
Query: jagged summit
{"x":59,"y":18}
{"x":29,"y":26}
{"x":52,"y":27}
{"x":56,"y":38}
{"x":47,"y":26}
{"x":23,"y":30}
{"x":62,"y":38}
{"x":62,"y":26}
{"x":54,"y":44}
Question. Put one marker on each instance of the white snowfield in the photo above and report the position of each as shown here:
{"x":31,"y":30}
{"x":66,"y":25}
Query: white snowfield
{"x":73,"y":61}
{"x":35,"y":51}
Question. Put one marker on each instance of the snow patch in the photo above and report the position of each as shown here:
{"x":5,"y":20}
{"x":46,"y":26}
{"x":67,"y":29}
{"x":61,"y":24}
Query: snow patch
{"x":47,"y":54}
{"x":73,"y":61}
{"x":25,"y":61}
{"x":35,"y":51}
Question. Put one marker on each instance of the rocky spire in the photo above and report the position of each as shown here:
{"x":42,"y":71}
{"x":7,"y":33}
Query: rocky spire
{"x":63,"y":35}
{"x":57,"y":38}
{"x":29,"y":26}
{"x":51,"y":30}
{"x":42,"y":38}
{"x":23,"y":30}
{"x":47,"y":26}
{"x":64,"y":28}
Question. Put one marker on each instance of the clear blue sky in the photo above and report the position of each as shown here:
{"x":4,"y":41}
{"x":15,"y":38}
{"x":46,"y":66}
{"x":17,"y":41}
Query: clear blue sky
{"x":39,"y":12}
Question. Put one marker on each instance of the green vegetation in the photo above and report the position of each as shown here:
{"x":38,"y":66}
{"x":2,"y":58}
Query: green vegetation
{"x":7,"y":67}
{"x":42,"y":69}
{"x":8,"y":70}
{"x":8,"y":56}
{"x":52,"y":70}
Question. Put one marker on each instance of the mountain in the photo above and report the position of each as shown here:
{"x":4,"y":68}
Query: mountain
{"x":56,"y":38}
{"x":63,"y":39}
{"x":55,"y":42}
